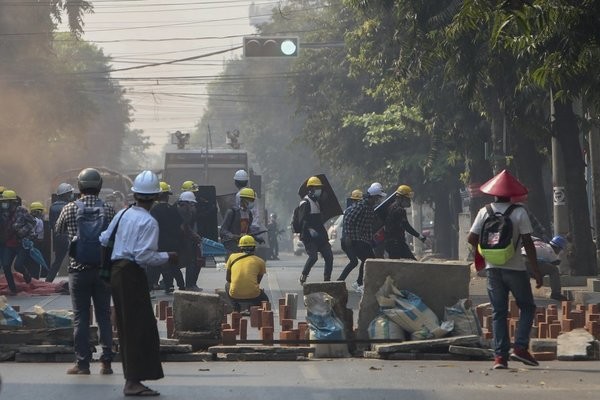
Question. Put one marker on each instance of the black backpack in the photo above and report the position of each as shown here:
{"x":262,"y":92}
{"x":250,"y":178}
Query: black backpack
{"x":296,"y":223}
{"x":496,"y":237}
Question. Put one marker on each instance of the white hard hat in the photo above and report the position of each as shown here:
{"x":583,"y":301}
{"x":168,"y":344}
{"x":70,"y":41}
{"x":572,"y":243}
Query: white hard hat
{"x":146,"y":183}
{"x":240,"y":175}
{"x":64,"y":188}
{"x":376,"y":190}
{"x":187,"y":196}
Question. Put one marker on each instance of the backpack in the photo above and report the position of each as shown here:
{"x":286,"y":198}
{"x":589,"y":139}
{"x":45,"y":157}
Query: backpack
{"x":91,"y":221}
{"x":296,"y":223}
{"x":496,"y":238}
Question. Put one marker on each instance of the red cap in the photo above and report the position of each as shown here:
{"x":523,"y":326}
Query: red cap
{"x":504,"y":185}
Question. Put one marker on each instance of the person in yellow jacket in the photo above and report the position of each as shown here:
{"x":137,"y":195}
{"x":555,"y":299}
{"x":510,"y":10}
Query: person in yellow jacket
{"x":244,"y":273}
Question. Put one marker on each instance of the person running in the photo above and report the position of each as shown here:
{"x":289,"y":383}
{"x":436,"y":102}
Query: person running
{"x":396,"y":225}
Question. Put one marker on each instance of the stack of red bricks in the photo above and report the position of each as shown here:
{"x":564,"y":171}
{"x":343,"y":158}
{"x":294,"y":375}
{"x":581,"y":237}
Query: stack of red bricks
{"x":549,"y":322}
{"x":262,"y":318}
{"x":164,"y":312}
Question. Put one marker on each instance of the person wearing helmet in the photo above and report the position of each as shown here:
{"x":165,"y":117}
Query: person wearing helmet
{"x":240,"y":180}
{"x":354,"y":198}
{"x":60,"y":241}
{"x":237,"y":221}
{"x":511,"y":275}
{"x":190,"y":244}
{"x":189,"y":186}
{"x":170,"y":237}
{"x":357,"y":233}
{"x":245,"y":270}
{"x":396,"y":225}
{"x":85,"y":283}
{"x":273,"y":233}
{"x":16,"y":225}
{"x":312,"y":231}
{"x":135,"y":248}
{"x":548,"y":258}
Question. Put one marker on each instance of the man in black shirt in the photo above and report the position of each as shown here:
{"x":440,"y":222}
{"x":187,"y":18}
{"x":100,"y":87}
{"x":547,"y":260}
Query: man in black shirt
{"x":396,"y":224}
{"x":170,"y":236}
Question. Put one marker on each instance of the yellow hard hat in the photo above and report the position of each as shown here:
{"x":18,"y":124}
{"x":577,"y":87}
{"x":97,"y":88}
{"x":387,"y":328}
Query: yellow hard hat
{"x":9,"y":195}
{"x":165,"y":188}
{"x":405,"y":190}
{"x":36,"y":206}
{"x":314,"y":181}
{"x":246,"y":241}
{"x":247,"y":193}
{"x":2,"y":188}
{"x":189,"y":186}
{"x":356,"y":194}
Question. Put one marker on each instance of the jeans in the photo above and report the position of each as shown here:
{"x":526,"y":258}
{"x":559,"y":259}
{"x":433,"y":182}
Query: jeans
{"x":355,"y":250}
{"x":170,"y":272}
{"x":398,"y":249}
{"x":312,"y":248}
{"x":499,"y":283}
{"x":86,"y":286}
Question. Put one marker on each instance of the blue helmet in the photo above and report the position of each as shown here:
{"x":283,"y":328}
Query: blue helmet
{"x":559,"y":241}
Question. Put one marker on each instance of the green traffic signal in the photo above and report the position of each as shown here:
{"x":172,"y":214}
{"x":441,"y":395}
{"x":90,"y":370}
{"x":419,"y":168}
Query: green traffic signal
{"x":270,"y":46}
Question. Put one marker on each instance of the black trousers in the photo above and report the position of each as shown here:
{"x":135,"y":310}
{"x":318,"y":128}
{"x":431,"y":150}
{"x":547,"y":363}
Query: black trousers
{"x":312,"y":248}
{"x":398,"y":249}
{"x":356,"y":250}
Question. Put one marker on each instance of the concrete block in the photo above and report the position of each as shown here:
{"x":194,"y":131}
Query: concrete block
{"x":439,"y":284}
{"x":593,"y":285}
{"x":39,"y":358}
{"x":542,"y":345}
{"x":188,"y":357}
{"x":544,"y":356}
{"x":46,"y":349}
{"x":199,"y":340}
{"x":240,"y":348}
{"x":372,"y":354}
{"x":472,"y":352}
{"x":176,"y":348}
{"x":576,"y":345}
{"x":427,"y":346}
{"x":7,"y":355}
{"x":570,"y":280}
{"x":197,"y":312}
{"x":586,"y":297}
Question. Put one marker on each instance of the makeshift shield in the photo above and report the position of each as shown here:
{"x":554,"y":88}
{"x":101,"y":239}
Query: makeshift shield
{"x":330,"y":206}
{"x":381,"y":211}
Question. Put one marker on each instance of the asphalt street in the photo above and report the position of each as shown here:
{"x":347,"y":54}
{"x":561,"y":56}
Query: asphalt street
{"x":314,"y":379}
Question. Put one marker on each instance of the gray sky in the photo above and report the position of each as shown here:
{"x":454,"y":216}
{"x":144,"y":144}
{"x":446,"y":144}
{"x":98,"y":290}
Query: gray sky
{"x":137,"y":32}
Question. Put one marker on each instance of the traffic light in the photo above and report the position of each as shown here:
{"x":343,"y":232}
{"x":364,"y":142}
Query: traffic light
{"x":275,"y":46}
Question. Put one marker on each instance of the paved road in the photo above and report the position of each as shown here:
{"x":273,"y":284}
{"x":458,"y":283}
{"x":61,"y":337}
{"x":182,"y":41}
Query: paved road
{"x":315,"y":379}
{"x":318,"y":379}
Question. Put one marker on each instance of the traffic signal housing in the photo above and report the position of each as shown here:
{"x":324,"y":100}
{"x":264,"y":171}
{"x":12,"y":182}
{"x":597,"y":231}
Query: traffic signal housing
{"x":274,"y":46}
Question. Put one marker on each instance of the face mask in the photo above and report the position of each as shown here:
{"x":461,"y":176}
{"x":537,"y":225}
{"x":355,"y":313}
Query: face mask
{"x":250,"y":205}
{"x":5,"y":205}
{"x":317,"y":192}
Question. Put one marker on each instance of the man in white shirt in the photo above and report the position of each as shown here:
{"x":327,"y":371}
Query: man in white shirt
{"x":548,"y":260}
{"x":510,"y":276}
{"x":135,"y":248}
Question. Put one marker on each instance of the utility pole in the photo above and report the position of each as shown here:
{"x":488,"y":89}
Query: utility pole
{"x":559,"y":194}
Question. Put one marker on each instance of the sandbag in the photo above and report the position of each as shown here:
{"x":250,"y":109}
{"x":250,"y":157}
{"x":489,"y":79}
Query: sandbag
{"x":381,"y":327}
{"x":464,"y":318}
{"x":8,"y":315}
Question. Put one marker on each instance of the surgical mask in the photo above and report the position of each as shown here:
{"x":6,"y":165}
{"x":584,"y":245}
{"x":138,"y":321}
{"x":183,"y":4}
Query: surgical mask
{"x":5,"y":205}
{"x":250,"y":205}
{"x":317,"y":192}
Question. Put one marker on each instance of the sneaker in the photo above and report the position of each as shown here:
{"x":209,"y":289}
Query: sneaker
{"x":77,"y":370}
{"x":500,"y":363}
{"x":302,"y":279}
{"x":521,"y":354}
{"x":105,"y":369}
{"x":558,"y":297}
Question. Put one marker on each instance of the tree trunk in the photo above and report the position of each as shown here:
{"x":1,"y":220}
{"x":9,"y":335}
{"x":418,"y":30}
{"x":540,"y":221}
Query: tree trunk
{"x":567,"y":134}
{"x":527,"y":163}
{"x":443,"y":223}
